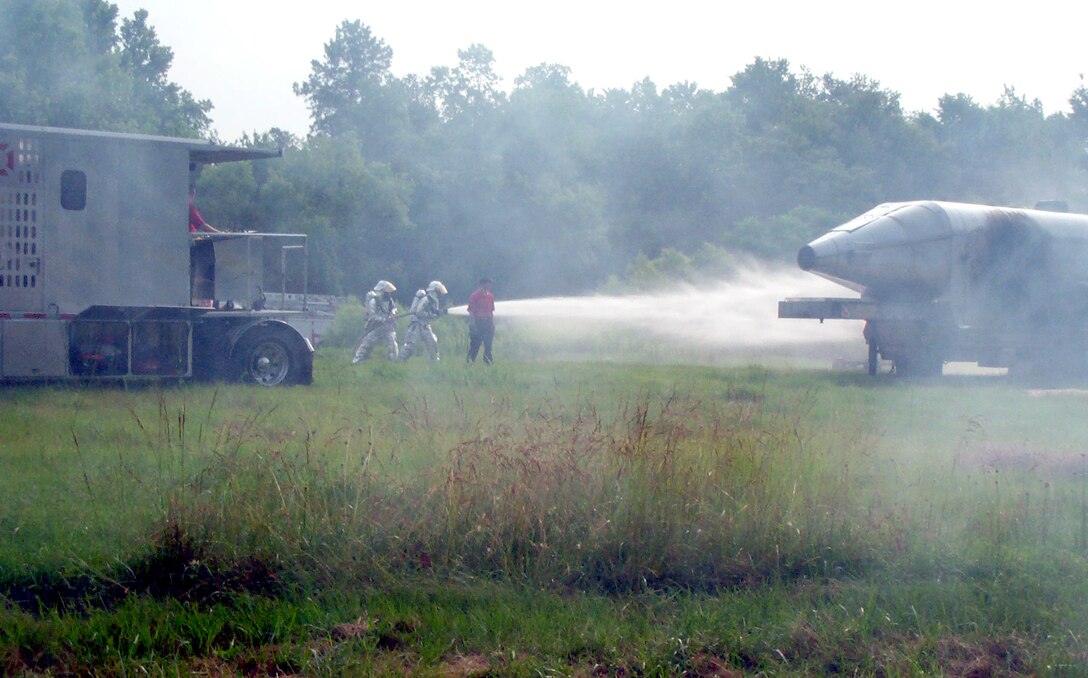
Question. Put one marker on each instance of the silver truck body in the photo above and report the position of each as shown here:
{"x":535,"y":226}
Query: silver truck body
{"x":96,"y":277}
{"x":942,"y":281}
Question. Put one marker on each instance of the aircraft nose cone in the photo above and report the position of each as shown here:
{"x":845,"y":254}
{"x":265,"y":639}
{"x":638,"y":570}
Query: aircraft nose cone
{"x":819,"y":254}
{"x":806,"y":258}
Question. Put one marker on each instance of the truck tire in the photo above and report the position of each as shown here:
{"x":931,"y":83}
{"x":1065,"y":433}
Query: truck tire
{"x":874,"y":359}
{"x":266,"y":358}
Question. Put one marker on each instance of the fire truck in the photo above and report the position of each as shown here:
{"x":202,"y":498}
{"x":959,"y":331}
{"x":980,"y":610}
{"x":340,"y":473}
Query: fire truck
{"x":100,"y":278}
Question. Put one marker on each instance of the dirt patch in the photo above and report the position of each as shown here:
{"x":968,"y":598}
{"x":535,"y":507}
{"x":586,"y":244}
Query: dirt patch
{"x":710,"y":666}
{"x":965,"y":657}
{"x":15,"y":661}
{"x":351,"y":630}
{"x":987,"y":658}
{"x":464,"y":666}
{"x":258,"y":662}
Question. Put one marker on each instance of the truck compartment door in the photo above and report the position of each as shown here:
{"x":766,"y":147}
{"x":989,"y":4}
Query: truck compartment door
{"x":35,"y":348}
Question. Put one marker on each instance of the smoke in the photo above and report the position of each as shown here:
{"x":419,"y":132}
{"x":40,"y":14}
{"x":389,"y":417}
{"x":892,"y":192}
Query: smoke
{"x":737,"y":315}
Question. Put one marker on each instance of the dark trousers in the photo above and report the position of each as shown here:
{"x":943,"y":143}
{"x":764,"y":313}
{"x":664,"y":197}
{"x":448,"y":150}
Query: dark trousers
{"x":480,"y":331}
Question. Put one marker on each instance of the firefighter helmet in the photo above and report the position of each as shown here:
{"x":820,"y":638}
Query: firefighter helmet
{"x":385,"y":287}
{"x":437,"y":286}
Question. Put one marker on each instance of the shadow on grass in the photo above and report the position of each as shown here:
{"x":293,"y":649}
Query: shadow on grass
{"x":175,"y":567}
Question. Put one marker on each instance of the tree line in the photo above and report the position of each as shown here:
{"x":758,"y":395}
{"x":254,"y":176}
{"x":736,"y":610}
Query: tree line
{"x":547,"y":187}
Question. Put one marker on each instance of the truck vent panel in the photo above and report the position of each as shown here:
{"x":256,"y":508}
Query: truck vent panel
{"x":20,"y":180}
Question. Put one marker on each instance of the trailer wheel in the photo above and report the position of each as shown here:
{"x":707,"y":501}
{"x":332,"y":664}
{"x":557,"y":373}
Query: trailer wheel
{"x":267,"y":359}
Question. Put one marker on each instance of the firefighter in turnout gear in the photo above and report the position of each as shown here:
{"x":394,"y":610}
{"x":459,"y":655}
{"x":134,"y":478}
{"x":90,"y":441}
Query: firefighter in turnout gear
{"x":381,"y":322}
{"x":428,"y":305}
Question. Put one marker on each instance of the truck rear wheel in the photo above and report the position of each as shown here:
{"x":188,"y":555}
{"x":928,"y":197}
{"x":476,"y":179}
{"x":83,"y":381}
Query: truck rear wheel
{"x":266,"y":358}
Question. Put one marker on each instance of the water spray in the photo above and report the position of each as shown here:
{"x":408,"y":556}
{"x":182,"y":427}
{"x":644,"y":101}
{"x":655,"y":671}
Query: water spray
{"x":739,"y":313}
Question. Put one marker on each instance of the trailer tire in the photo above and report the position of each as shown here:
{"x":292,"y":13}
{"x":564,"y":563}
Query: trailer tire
{"x":267,"y":358}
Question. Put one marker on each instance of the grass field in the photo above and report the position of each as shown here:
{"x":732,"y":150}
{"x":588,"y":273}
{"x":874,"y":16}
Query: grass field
{"x":546,"y":518}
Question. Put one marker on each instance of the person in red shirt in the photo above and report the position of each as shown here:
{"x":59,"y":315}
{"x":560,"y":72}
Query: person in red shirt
{"x":481,"y":321}
{"x":201,"y":257}
{"x":196,"y":222}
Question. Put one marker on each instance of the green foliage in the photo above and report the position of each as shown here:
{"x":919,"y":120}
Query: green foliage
{"x":160,"y":105}
{"x":556,"y":190}
{"x":776,"y":237}
{"x":67,"y":64}
{"x":670,"y":265}
{"x":353,"y":91}
{"x":469,"y":90}
{"x":354,"y":211}
{"x":347,"y":326}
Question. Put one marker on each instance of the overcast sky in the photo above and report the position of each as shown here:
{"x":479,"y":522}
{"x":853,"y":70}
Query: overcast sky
{"x":244,"y":55}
